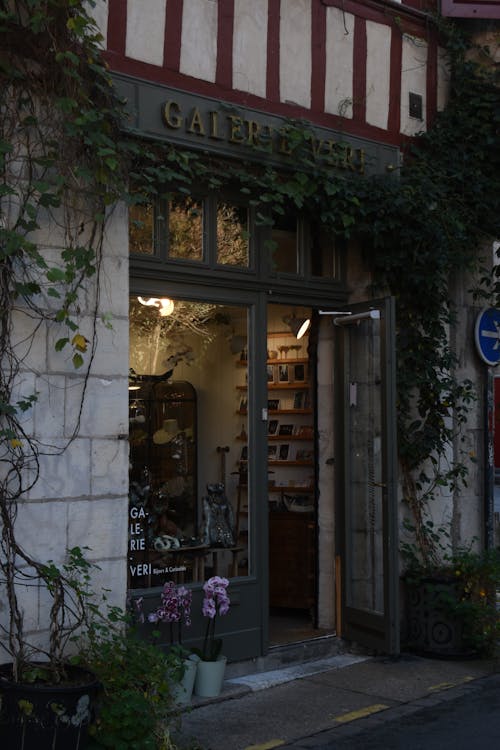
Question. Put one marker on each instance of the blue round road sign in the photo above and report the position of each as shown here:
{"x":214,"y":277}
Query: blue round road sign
{"x":487,"y":335}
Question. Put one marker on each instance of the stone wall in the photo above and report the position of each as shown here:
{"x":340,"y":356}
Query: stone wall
{"x":81,"y":425}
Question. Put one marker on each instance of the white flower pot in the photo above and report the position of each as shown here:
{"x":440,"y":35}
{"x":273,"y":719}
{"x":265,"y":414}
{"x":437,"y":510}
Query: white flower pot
{"x":183,"y":691}
{"x":209,"y":677}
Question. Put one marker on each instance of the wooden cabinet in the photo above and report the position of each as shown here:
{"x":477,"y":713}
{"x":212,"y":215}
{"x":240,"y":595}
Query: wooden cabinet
{"x":291,"y":560}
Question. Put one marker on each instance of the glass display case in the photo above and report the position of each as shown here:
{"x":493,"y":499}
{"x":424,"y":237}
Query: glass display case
{"x":163,"y":492}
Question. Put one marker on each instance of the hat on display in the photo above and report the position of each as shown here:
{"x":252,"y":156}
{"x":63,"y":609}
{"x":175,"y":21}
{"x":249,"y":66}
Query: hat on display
{"x":167,"y":432}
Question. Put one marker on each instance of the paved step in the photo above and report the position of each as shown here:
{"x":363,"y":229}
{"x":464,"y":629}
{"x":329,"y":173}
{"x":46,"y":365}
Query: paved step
{"x":292,"y":654}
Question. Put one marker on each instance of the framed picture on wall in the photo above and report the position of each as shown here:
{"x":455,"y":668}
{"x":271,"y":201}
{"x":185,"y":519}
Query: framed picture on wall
{"x":273,"y":427}
{"x":298,"y":400}
{"x":299,"y":373}
{"x":283,"y":373}
{"x":283,"y":453}
{"x":305,"y":431}
{"x":304,"y":455}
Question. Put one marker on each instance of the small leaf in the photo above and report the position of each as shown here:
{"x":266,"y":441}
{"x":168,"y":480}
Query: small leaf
{"x":79,"y":342}
{"x":77,"y":360}
{"x":60,"y":344}
{"x":56,"y":274}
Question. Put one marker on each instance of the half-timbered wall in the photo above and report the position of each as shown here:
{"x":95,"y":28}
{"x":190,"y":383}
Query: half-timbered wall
{"x":341,"y":64}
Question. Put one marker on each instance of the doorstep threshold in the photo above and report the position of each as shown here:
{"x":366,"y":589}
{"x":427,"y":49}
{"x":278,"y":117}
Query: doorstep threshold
{"x":273,"y":677}
{"x":288,"y":655}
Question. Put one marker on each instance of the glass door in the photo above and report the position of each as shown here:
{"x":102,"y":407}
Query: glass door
{"x":368,"y":511}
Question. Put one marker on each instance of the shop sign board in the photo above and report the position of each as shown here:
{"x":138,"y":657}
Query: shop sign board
{"x":466,"y":9}
{"x":232,"y":130}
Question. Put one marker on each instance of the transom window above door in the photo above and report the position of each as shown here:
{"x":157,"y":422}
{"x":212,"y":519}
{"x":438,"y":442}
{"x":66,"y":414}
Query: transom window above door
{"x":216,"y":232}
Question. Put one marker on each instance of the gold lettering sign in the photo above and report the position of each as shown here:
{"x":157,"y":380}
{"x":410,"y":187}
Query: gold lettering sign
{"x":171,"y":115}
{"x":236,"y":130}
{"x":237,"y":134}
{"x":196,"y":123}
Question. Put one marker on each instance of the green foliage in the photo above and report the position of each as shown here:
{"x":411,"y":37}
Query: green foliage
{"x":464,"y":586}
{"x":135,"y":706}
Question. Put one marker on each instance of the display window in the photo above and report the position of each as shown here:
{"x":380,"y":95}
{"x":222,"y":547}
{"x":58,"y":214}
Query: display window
{"x":188,"y":412}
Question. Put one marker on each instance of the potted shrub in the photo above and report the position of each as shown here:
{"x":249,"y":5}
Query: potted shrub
{"x":136,"y":702}
{"x":451,"y":603}
{"x":45,"y":699}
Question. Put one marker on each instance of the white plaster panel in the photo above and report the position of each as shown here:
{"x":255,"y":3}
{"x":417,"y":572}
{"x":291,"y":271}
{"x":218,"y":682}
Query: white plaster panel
{"x":51,"y":228}
{"x":105,"y":408}
{"x":443,"y":78}
{"x":100,"y":525}
{"x":49,"y":408}
{"x":22,"y":388}
{"x":199,"y":39}
{"x":64,"y":472}
{"x":111,"y":355}
{"x":413,"y":79}
{"x":145,"y":38}
{"x":113,"y":289}
{"x":109,"y":467}
{"x":295,"y":52}
{"x":112,"y":578}
{"x":339,"y":62}
{"x":29,"y":340}
{"x":378,"y":71}
{"x":53,"y":256}
{"x":42,"y":529}
{"x":250,"y":46}
{"x":116,"y":230}
{"x":99,"y":12}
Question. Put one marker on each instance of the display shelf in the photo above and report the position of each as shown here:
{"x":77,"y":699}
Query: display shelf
{"x":295,"y":386}
{"x":278,"y":361}
{"x":290,"y":488}
{"x":284,"y":464}
{"x":289,"y":438}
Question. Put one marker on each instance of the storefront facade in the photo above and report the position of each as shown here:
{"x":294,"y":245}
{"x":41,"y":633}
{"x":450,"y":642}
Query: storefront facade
{"x":285,"y":445}
{"x":245,"y":431}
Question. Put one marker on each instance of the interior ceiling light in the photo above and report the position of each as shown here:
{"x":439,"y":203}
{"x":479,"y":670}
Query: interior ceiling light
{"x":165,"y":305}
{"x":298,"y":326}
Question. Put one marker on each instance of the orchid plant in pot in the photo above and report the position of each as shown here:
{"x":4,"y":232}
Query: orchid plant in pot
{"x":175,"y":610}
{"x":212,"y":665}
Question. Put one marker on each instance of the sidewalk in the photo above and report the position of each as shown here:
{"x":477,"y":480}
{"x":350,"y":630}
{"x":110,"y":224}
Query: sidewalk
{"x":323,"y":699}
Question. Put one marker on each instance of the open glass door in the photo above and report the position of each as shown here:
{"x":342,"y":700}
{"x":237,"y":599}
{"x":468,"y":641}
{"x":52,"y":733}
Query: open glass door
{"x":367,"y":540}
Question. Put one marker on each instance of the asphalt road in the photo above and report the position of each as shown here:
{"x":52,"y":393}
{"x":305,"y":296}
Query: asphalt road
{"x":466,"y":722}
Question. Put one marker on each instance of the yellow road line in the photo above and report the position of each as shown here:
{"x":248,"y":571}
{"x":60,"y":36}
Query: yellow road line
{"x":447,"y":685}
{"x":267,"y":745}
{"x":360,"y":713}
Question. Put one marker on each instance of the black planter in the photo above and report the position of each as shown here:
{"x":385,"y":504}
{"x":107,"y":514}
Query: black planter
{"x":432,"y":627}
{"x":46,"y":717}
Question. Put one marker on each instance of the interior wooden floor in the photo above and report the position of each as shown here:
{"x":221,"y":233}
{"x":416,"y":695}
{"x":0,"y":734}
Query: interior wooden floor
{"x":292,"y":626}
